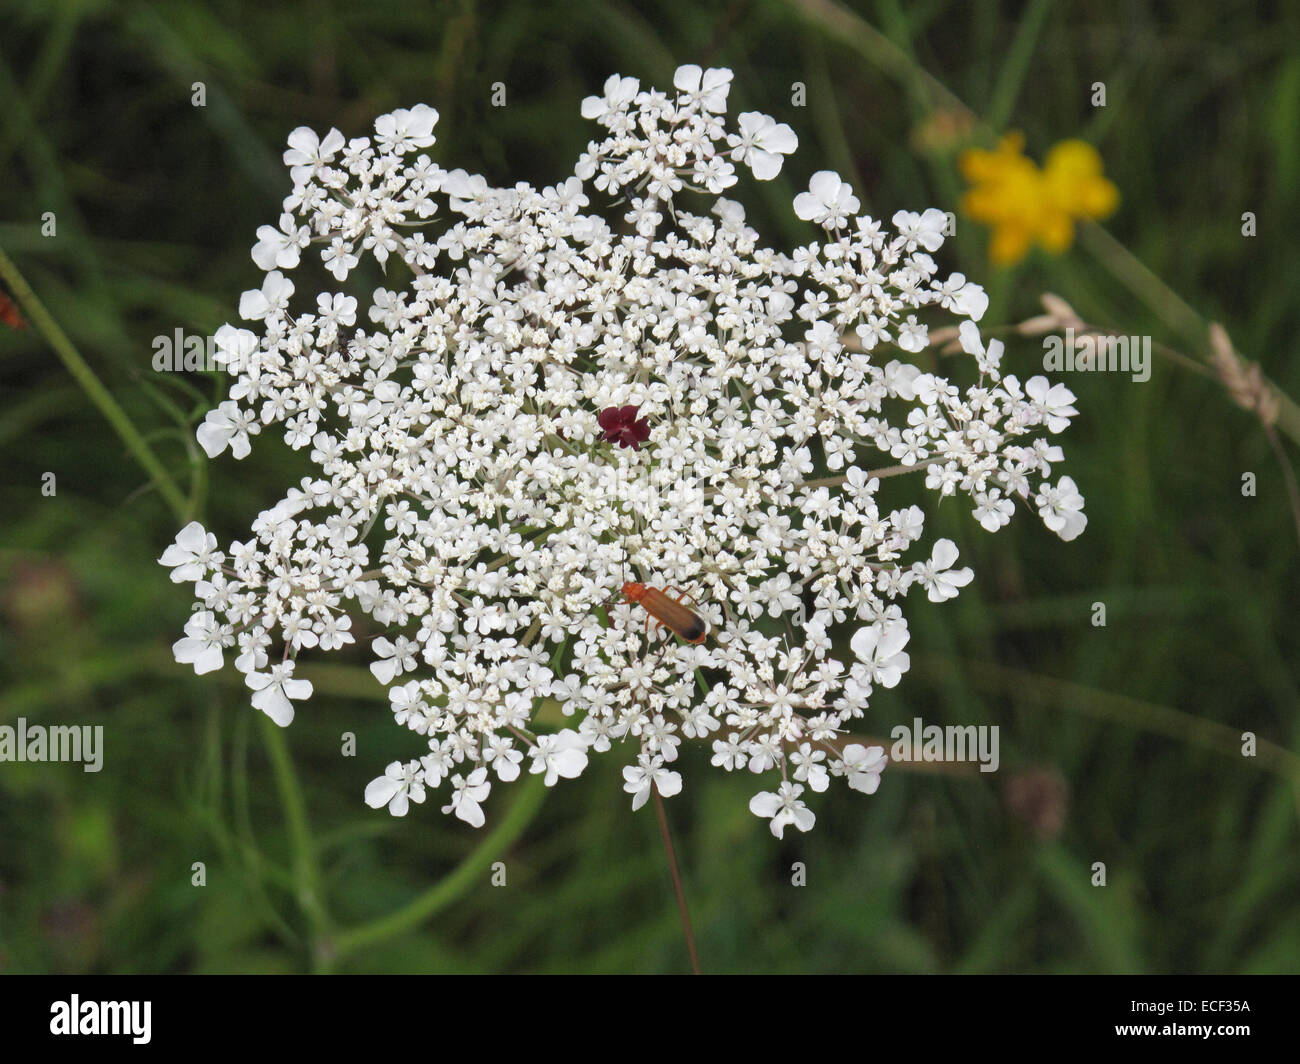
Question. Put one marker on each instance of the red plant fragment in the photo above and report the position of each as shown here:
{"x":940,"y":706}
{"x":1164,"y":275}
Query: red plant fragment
{"x":622,"y":426}
{"x":9,"y":313}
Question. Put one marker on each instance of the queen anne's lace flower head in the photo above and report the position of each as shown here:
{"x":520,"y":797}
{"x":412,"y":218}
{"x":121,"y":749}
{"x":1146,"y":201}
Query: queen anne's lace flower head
{"x":543,"y":399}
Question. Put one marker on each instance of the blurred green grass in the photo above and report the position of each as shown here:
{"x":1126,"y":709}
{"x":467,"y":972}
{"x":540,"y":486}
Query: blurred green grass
{"x":157,"y":203}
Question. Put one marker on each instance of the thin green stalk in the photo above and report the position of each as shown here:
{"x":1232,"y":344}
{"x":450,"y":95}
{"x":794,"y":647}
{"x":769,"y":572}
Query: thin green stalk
{"x":849,"y":27}
{"x":876,"y":474}
{"x":1107,"y":705}
{"x":306,"y":867}
{"x":457,"y":882}
{"x":1288,"y":475}
{"x":679,"y":892}
{"x":1142,"y":281}
{"x":93,"y":387}
{"x":1016,"y":64}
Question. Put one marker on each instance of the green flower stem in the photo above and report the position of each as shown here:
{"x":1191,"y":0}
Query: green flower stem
{"x":93,"y":387}
{"x":1171,"y":307}
{"x":306,"y":867}
{"x":1106,"y":705}
{"x":887,"y":471}
{"x":1288,"y":475}
{"x":454,"y":884}
{"x":845,"y":25}
{"x":1142,"y":281}
{"x":674,"y":872}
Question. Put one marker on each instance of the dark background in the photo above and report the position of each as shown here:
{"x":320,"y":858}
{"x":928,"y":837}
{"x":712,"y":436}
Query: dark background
{"x":1119,"y":744}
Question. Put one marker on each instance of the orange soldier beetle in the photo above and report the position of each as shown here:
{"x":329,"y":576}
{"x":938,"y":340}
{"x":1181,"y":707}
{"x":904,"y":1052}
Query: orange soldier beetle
{"x":667,"y":611}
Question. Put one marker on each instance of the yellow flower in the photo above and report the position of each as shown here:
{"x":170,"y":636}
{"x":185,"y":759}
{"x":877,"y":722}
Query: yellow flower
{"x":1024,"y":204}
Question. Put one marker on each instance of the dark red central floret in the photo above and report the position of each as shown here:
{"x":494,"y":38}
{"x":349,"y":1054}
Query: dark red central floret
{"x":622,"y":426}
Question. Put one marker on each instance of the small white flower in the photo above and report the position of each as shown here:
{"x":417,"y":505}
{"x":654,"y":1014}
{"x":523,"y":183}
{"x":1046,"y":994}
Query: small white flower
{"x":394,"y":658}
{"x":193,"y":555}
{"x":228,"y":425}
{"x":397,"y":788}
{"x":465,"y":191}
{"x":505,"y":759}
{"x":269,"y":300}
{"x":1052,"y":402}
{"x":619,"y":93}
{"x":403,"y":131}
{"x":900,"y":379}
{"x":650,"y":770}
{"x":308,"y":153}
{"x":882,"y":660}
{"x":783,"y":807}
{"x":729,"y":754}
{"x":708,"y":88}
{"x":280,"y":248}
{"x":829,"y":201}
{"x":762,"y":144}
{"x":810,"y":767}
{"x":273,"y":691}
{"x":467,"y":793}
{"x":205,"y":637}
{"x":989,"y":358}
{"x":926,"y":229}
{"x":235,"y":348}
{"x":937,"y":576}
{"x":1061,"y":508}
{"x":913,"y":336}
{"x":971,"y":300}
{"x":562,"y":754}
{"x":993,"y":510}
{"x":335,"y":632}
{"x":339,"y":259}
{"x":863,"y":765}
{"x":873,"y":331}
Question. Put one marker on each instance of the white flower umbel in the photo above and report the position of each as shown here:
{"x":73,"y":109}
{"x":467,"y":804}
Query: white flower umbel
{"x":468,"y":498}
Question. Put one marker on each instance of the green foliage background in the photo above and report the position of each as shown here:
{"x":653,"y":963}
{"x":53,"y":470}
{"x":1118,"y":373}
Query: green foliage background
{"x":157,"y":202}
